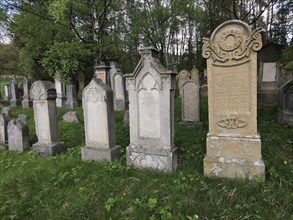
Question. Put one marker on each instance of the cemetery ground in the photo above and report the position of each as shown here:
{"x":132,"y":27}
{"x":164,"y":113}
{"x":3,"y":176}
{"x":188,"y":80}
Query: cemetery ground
{"x":65,"y":187}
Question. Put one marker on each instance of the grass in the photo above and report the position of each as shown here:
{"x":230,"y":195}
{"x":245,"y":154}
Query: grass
{"x":64,"y":187}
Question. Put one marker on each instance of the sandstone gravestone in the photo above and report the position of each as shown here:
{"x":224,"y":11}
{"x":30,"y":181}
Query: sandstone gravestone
{"x":18,"y":135}
{"x":103,"y":72}
{"x":183,"y":76}
{"x":151,"y":113}
{"x":14,"y":100}
{"x":71,"y":96}
{"x":233,"y":142}
{"x":26,"y":102}
{"x":99,"y":123}
{"x":45,"y":115}
{"x":3,"y":130}
{"x":191,"y":104}
{"x":7,"y":95}
{"x":285,"y":109}
{"x":194,"y":74}
{"x":60,"y":90}
{"x":71,"y":117}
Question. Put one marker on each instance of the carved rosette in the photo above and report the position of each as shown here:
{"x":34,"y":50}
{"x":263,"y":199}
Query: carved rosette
{"x":232,"y":123}
{"x":42,"y":90}
{"x":232,"y":45}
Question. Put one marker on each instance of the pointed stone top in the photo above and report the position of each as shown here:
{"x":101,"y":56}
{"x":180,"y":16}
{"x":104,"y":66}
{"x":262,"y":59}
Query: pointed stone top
{"x":149,"y":51}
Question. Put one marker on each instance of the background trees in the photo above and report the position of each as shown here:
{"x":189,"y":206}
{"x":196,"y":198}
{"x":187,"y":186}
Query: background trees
{"x":70,"y":36}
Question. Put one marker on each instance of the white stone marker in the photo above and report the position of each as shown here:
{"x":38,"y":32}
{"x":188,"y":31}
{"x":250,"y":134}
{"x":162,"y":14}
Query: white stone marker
{"x":45,"y":115}
{"x":191,"y":104}
{"x":7,"y":92}
{"x":118,"y":90}
{"x":233,"y":143}
{"x":71,"y":96}
{"x":60,"y":90}
{"x":183,"y":76}
{"x":3,"y":130}
{"x":18,"y":135}
{"x":26,"y":102}
{"x":14,"y":100}
{"x":99,"y":123}
{"x":151,"y":113}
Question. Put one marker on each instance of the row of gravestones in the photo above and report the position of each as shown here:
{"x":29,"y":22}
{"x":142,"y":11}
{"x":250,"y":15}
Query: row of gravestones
{"x":233,"y":143}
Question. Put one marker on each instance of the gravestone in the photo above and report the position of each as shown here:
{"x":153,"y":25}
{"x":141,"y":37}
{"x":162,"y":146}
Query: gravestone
{"x":26,"y":102}
{"x":205,"y":73}
{"x":7,"y":95}
{"x":6,"y":111}
{"x":191,"y":104}
{"x":21,"y":117}
{"x":18,"y":135}
{"x":233,"y":142}
{"x":102,"y":72}
{"x":71,"y":96}
{"x":45,"y":115}
{"x":3,"y":130}
{"x":71,"y":117}
{"x":194,"y":74}
{"x":204,"y":90}
{"x":285,"y":109}
{"x":151,"y":114}
{"x":99,"y":123}
{"x":118,"y":90}
{"x":60,"y":90}
{"x":183,"y":76}
{"x":14,"y":99}
{"x":80,"y":84}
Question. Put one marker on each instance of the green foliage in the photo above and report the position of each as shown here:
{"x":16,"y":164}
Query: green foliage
{"x":287,"y":57}
{"x":9,"y":60}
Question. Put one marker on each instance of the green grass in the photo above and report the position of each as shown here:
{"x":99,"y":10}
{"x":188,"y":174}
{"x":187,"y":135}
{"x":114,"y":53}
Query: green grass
{"x":64,"y":187}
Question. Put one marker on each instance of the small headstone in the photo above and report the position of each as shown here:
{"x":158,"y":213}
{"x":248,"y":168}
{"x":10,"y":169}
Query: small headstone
{"x":183,"y":76}
{"x":126,"y":117}
{"x":118,"y":90}
{"x":14,"y":100}
{"x":194,"y":74}
{"x":18,"y":135}
{"x":45,"y":115}
{"x":99,"y":123}
{"x":191,"y":104}
{"x":71,"y":96}
{"x":71,"y":117}
{"x":233,"y":142}
{"x":285,"y":109}
{"x":204,"y":90}
{"x":151,"y":112}
{"x":3,"y":130}
{"x":21,"y":117}
{"x":7,"y":92}
{"x":26,"y":102}
{"x":6,"y":111}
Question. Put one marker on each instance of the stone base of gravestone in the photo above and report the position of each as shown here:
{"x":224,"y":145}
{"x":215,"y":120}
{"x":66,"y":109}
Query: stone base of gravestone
{"x":49,"y":150}
{"x":60,"y":102}
{"x":285,"y":117}
{"x":89,"y":153}
{"x":190,"y":124}
{"x":71,"y":104}
{"x":26,"y":103}
{"x":157,"y":159}
{"x":234,"y":157}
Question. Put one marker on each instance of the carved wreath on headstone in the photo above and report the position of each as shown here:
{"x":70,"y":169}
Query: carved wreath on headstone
{"x":237,"y":48}
{"x":232,"y":123}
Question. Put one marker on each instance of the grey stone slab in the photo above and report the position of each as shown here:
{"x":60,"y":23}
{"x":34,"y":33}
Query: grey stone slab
{"x":18,"y":135}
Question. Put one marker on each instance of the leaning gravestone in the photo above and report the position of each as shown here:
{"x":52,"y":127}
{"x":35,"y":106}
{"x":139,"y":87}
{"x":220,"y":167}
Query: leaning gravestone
{"x":285,"y":109}
{"x":14,"y":100}
{"x":45,"y":114}
{"x":3,"y":130}
{"x":191,"y":104}
{"x":233,"y":142}
{"x":71,"y":96}
{"x":151,"y":113}
{"x":182,"y":77}
{"x":18,"y":135}
{"x":26,"y":102}
{"x":99,"y":123}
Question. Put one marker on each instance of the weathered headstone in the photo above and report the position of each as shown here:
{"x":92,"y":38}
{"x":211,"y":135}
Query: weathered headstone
{"x":6,"y":111}
{"x":285,"y":109}
{"x":18,"y":135}
{"x":26,"y":102}
{"x":71,"y":117}
{"x":183,"y":76}
{"x":118,"y":90}
{"x":99,"y":123}
{"x":60,"y":90}
{"x":204,"y":90}
{"x":14,"y":100}
{"x":71,"y":96}
{"x":3,"y":130}
{"x":233,"y":142}
{"x":102,"y":72}
{"x":7,"y":92}
{"x":21,"y":117}
{"x":151,"y":113}
{"x":191,"y":104}
{"x":45,"y":115}
{"x":194,"y":74}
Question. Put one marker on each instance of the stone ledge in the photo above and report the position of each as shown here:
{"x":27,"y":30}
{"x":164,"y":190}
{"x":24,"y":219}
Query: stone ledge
{"x":49,"y":150}
{"x":190,"y":124}
{"x":89,"y":153}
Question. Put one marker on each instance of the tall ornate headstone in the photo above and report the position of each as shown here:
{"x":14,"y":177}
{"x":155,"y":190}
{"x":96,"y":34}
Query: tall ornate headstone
{"x":18,"y":135}
{"x":233,"y":142}
{"x":60,"y":90}
{"x":45,"y":115}
{"x":285,"y":109}
{"x":26,"y":102}
{"x":191,"y":104}
{"x":183,"y":76}
{"x":71,"y":96}
{"x":151,"y":113}
{"x":14,"y":99}
{"x":99,"y":123}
